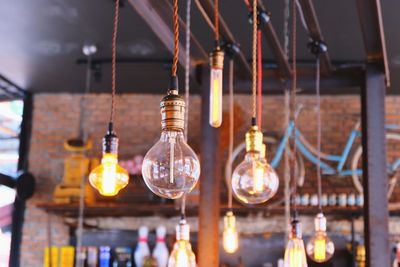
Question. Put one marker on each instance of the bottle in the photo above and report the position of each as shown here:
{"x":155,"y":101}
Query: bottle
{"x":142,"y":248}
{"x":160,"y":252}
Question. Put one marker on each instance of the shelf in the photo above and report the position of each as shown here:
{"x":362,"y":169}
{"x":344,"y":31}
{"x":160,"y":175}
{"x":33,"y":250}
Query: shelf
{"x":112,"y":209}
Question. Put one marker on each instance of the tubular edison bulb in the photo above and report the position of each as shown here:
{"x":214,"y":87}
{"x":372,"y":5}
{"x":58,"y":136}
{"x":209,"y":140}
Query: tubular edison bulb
{"x":254,"y":181}
{"x":320,"y":247}
{"x":171,"y":168}
{"x":230,"y":237}
{"x":216,"y":78}
{"x":182,"y":254}
{"x":295,"y":255}
{"x":109,"y":178}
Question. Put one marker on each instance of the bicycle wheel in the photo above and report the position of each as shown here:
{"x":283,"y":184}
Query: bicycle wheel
{"x":392,"y":148}
{"x":272,"y":145}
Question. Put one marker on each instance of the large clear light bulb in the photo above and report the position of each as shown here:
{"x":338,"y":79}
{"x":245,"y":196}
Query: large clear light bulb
{"x":320,"y":247}
{"x":171,"y":168}
{"x":109,"y":177}
{"x":295,"y":255}
{"x":254,"y":181}
{"x":230,"y":237}
{"x":216,"y":79}
{"x":182,"y":254}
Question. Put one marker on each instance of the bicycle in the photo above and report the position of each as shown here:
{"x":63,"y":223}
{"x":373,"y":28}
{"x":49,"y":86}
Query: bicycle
{"x":305,"y":149}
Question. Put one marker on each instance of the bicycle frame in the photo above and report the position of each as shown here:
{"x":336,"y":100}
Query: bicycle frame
{"x":326,"y":168}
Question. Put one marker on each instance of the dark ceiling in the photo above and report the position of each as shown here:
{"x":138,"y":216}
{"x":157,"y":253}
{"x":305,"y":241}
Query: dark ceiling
{"x":43,"y":39}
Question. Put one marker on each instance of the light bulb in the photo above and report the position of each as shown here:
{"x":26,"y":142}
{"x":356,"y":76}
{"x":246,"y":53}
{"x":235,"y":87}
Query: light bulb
{"x":216,"y":78}
{"x":182,"y":254}
{"x":254,"y":181}
{"x":230,"y":237}
{"x":295,"y":255}
{"x":320,"y":247}
{"x":109,"y":177}
{"x":171,"y":168}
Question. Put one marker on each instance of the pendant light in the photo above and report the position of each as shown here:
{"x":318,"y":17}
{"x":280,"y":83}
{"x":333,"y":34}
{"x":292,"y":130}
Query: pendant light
{"x":182,"y":254}
{"x":216,"y":75}
{"x":295,"y":254}
{"x":109,"y":177}
{"x":171,"y":168}
{"x":230,"y":236}
{"x":251,"y":178}
{"x":320,"y":247}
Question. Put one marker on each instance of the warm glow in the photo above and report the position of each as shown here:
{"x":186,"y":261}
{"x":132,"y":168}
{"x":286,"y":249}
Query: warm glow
{"x":320,"y":249}
{"x":182,"y":255}
{"x":230,"y":237}
{"x":109,"y":178}
{"x":258,"y":182}
{"x":216,"y":97}
{"x":295,"y":255}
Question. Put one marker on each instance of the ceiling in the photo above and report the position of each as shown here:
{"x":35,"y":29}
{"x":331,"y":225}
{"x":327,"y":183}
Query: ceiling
{"x":43,"y":39}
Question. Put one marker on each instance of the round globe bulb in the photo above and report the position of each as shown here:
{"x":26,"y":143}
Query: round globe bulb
{"x":320,"y":247}
{"x":171,"y":168}
{"x":109,"y":177}
{"x":254,"y":181}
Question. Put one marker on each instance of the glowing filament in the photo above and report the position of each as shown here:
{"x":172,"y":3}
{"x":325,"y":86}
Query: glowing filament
{"x":320,"y":249}
{"x":216,"y":97}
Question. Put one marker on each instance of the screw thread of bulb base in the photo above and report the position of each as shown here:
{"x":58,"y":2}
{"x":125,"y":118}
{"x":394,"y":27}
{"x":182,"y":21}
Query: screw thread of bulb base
{"x":110,"y":141}
{"x":254,"y":140}
{"x":183,"y":231}
{"x":172,"y":108}
{"x":320,"y":223}
{"x":217,"y":58}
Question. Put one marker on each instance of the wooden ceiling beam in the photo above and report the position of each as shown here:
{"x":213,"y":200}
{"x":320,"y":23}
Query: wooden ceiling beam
{"x":206,"y":7}
{"x":371,"y":23}
{"x":158,"y":16}
{"x":314,"y":30}
{"x":284,"y":69}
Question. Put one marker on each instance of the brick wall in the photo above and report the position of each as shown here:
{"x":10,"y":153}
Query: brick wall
{"x":56,"y":118}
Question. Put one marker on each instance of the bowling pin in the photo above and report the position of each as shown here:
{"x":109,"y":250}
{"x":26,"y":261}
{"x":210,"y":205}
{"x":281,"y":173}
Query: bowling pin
{"x":142,"y":249}
{"x":160,"y":252}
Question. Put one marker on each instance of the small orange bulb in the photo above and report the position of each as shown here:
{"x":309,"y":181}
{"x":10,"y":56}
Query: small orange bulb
{"x":109,"y":177}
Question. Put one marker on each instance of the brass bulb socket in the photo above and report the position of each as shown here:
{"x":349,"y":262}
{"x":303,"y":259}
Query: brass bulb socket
{"x":320,"y":223}
{"x":110,"y":144}
{"x":296,"y":229}
{"x":254,"y":140}
{"x":183,"y":231}
{"x":229,"y":220}
{"x":217,"y":58}
{"x":263,"y":151}
{"x":172,"y":108}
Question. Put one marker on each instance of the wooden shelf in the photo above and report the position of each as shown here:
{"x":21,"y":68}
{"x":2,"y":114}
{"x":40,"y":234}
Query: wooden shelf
{"x":114,"y":209}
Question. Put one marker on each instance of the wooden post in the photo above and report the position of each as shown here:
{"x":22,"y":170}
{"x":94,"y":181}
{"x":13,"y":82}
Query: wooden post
{"x":208,"y":252}
{"x":374,"y":169}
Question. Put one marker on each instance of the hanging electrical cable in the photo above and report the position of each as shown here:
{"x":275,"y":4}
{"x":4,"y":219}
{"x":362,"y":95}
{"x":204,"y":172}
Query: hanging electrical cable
{"x":254,"y":181}
{"x":109,"y":178}
{"x":320,"y":247}
{"x":230,"y":237}
{"x":89,"y":51}
{"x":187,"y":86}
{"x":295,"y":252}
{"x":286,"y":16}
{"x":176,"y":177}
{"x":216,"y":74}
{"x":259,"y":79}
